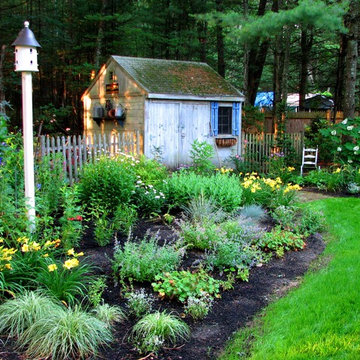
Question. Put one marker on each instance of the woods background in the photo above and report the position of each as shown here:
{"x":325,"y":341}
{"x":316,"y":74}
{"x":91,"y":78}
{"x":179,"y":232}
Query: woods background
{"x":280,"y":45}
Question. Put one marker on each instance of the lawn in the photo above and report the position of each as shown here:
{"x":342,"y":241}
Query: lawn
{"x":321,"y":318}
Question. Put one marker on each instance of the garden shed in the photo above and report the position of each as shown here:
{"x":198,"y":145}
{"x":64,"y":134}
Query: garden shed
{"x":170,"y":103}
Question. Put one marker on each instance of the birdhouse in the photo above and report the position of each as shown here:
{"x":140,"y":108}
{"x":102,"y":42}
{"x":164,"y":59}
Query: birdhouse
{"x":25,"y":50}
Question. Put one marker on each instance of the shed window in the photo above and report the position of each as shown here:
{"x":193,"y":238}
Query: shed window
{"x":225,"y":120}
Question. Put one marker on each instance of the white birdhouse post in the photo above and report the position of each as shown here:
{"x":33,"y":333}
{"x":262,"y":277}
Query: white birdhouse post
{"x":26,"y":62}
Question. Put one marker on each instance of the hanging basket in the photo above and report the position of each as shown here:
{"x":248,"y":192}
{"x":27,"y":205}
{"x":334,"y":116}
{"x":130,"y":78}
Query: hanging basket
{"x":225,"y":142}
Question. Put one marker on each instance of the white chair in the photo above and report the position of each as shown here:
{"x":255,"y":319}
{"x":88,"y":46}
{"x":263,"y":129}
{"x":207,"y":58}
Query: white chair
{"x":309,"y":158}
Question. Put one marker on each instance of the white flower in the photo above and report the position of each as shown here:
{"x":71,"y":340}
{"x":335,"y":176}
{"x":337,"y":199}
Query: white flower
{"x":333,"y":132}
{"x":339,"y":148}
{"x":139,"y":182}
{"x":350,"y":161}
{"x":157,"y":197}
{"x":356,"y":148}
{"x":344,"y":121}
{"x":150,"y":186}
{"x":350,"y":127}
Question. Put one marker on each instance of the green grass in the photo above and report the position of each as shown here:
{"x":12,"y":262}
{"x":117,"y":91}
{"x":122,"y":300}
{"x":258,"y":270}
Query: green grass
{"x":321,"y":318}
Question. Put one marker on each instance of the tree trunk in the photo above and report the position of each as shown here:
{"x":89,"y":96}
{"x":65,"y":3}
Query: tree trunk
{"x":306,"y":43}
{"x":220,"y":42}
{"x":351,"y":58}
{"x":246,"y":54}
{"x":100,"y":37}
{"x":2,"y":88}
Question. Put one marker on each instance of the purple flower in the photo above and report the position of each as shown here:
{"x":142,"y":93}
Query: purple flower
{"x":38,"y":186}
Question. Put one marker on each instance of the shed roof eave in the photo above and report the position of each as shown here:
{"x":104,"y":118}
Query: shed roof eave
{"x":239,"y":98}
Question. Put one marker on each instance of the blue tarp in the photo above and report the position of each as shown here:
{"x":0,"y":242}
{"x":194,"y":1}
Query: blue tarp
{"x":264,"y":99}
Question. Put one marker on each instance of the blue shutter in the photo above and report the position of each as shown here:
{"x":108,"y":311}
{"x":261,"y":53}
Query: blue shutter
{"x":214,"y":118}
{"x":236,"y":119}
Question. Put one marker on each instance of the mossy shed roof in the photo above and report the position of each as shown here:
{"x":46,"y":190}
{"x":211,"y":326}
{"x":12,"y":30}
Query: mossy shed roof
{"x":176,"y":77}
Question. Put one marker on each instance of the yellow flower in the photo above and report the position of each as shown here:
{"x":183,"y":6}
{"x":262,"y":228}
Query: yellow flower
{"x":1,"y":240}
{"x":25,"y":248}
{"x":71,"y":252}
{"x":79,"y":254}
{"x":291,"y":168}
{"x":46,"y":255}
{"x":69,"y":264}
{"x":8,"y":266}
{"x":337,"y":171}
{"x":35,"y":246}
{"x":52,"y":267}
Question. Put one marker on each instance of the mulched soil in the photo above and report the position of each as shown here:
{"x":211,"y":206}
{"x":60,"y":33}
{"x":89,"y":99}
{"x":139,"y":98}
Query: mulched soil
{"x":232,"y":311}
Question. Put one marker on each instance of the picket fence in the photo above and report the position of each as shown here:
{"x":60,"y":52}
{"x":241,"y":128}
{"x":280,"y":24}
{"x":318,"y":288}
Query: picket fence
{"x":257,"y":148}
{"x":78,"y":150}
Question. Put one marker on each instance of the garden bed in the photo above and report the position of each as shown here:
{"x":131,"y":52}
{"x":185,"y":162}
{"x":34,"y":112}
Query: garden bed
{"x":235,"y":308}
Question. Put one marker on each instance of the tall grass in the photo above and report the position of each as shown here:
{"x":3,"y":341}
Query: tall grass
{"x":66,"y":334}
{"x":16,"y":315}
{"x":320,"y":319}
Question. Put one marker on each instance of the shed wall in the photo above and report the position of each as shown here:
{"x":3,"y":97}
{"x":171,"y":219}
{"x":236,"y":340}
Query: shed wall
{"x":130,"y":96}
{"x":171,"y":127}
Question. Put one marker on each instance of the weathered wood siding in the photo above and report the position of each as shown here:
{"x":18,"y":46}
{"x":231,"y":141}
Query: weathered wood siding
{"x":171,"y":127}
{"x":130,"y":95}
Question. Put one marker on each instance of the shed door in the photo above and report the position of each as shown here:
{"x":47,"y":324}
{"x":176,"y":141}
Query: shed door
{"x":194,"y":125}
{"x":162,"y":132}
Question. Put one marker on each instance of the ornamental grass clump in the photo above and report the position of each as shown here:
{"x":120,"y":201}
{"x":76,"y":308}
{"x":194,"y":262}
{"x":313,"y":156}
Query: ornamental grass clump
{"x":109,"y":314}
{"x":18,"y":314}
{"x":158,"y":329}
{"x":65,"y":334}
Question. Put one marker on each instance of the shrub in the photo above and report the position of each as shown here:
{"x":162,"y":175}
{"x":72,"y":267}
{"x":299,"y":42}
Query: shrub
{"x":150,"y":171}
{"x":201,"y":209}
{"x":311,"y":221}
{"x":183,"y":284}
{"x":201,"y":154}
{"x":50,"y":180}
{"x":65,"y":334}
{"x":96,"y":290}
{"x":233,"y":255}
{"x":199,"y":307}
{"x":106,"y":183}
{"x":103,"y":228}
{"x":344,"y":138}
{"x":144,"y":260}
{"x":278,"y":168}
{"x":200,"y":236}
{"x":124,"y":218}
{"x":139,"y":302}
{"x":17,"y":314}
{"x":71,"y":221}
{"x":285,"y":216}
{"x":224,"y":190}
{"x":109,"y":314}
{"x":157,"y":330}
{"x":326,"y":180}
{"x":147,"y":199}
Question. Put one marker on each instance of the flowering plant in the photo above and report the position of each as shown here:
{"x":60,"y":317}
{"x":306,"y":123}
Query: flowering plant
{"x":345,"y":141}
{"x":267,"y":192}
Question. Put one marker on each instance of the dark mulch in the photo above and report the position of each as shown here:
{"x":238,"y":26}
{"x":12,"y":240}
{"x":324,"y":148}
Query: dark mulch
{"x":232,"y":311}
